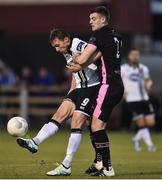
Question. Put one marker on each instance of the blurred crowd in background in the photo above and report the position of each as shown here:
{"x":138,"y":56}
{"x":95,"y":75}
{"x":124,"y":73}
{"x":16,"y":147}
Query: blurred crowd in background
{"x":41,"y":77}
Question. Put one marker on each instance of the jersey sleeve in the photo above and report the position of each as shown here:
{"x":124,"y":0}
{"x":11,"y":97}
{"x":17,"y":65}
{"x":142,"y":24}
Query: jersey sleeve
{"x":146,"y":73}
{"x":78,"y":45}
{"x":95,"y":39}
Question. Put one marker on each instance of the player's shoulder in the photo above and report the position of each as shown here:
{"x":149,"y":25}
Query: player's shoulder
{"x":125,"y":66}
{"x":77,"y":45}
{"x":143,"y":66}
{"x":77,"y":41}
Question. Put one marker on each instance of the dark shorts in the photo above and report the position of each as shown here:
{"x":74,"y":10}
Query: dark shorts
{"x":107,"y":98}
{"x":140,"y":109}
{"x":83,"y":98}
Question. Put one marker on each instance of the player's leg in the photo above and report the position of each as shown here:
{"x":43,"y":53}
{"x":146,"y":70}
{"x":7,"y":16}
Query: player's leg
{"x":102,"y":146}
{"x":137,"y":110}
{"x":65,"y":110}
{"x":148,"y":111}
{"x":82,"y":111}
{"x":74,"y":141}
{"x":97,"y":162}
{"x":75,"y":137}
{"x":108,"y":97}
{"x":150,"y":122}
{"x":140,"y":123}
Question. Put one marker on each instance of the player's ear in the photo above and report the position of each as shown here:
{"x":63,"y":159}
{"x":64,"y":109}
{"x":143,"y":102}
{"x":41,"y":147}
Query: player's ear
{"x":66,"y":39}
{"x":103,"y":19}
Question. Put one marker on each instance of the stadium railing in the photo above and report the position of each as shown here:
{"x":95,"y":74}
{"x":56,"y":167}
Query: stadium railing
{"x":30,"y":100}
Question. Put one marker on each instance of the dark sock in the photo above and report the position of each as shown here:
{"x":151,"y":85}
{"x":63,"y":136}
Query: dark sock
{"x":101,"y":142}
{"x":97,"y":155}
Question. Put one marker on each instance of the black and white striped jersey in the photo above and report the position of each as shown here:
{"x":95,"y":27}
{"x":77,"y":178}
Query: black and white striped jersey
{"x":88,"y":76}
{"x":134,"y":82}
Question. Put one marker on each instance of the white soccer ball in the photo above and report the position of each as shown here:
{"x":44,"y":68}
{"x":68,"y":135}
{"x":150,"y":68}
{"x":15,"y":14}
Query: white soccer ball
{"x":17,"y":126}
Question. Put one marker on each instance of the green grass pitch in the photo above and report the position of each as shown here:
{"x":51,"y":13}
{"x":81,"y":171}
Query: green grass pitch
{"x":16,"y":162}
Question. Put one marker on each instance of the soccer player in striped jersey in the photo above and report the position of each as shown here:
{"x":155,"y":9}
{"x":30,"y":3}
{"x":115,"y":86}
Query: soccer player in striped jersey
{"x":77,"y":104}
{"x":137,"y":82}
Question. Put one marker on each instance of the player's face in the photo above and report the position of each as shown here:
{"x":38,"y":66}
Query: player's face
{"x":61,"y":46}
{"x":96,"y":21}
{"x":134,"y":56}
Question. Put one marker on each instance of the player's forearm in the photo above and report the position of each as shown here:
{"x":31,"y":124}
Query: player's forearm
{"x":96,"y":56}
{"x":148,"y":84}
{"x":82,"y":59}
{"x":85,"y":57}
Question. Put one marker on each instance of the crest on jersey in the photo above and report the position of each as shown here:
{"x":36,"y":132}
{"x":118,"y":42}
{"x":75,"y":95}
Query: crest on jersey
{"x":79,"y":47}
{"x":92,"y":40}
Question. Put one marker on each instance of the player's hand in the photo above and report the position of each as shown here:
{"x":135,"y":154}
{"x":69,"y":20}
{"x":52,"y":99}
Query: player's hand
{"x":73,"y":67}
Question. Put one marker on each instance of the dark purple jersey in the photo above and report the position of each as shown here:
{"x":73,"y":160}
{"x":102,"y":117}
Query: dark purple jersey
{"x":109,"y":43}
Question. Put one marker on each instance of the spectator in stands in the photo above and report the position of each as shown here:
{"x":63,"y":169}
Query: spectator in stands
{"x":44,"y":77}
{"x":8,"y":77}
{"x":26,"y":76}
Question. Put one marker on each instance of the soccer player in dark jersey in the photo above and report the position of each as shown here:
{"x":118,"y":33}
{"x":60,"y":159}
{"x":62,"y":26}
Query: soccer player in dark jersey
{"x":108,"y":42}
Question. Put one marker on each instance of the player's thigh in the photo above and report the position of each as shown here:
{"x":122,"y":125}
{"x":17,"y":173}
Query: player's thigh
{"x":108,"y":97}
{"x":150,"y":120}
{"x":65,"y":110}
{"x":86,"y":100}
{"x":78,"y":120}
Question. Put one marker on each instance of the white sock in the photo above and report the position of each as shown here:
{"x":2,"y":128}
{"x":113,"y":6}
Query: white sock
{"x":46,"y":131}
{"x":138,"y":135}
{"x":73,"y":144}
{"x":147,"y":137}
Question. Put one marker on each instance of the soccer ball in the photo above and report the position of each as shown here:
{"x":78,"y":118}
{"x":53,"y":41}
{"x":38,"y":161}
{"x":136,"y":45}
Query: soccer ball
{"x":17,"y":126}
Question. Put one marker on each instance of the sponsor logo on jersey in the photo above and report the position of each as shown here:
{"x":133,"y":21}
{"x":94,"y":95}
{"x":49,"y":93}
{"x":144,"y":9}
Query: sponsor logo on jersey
{"x":79,"y":47}
{"x":135,"y":77}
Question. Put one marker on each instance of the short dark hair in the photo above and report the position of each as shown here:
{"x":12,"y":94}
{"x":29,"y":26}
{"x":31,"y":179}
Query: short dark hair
{"x":58,"y":33}
{"x":103,"y":11}
{"x":133,"y":49}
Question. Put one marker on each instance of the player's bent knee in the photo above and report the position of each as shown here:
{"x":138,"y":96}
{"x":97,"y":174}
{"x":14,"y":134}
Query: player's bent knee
{"x":95,"y":128}
{"x":97,"y":125}
{"x":151,"y":123}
